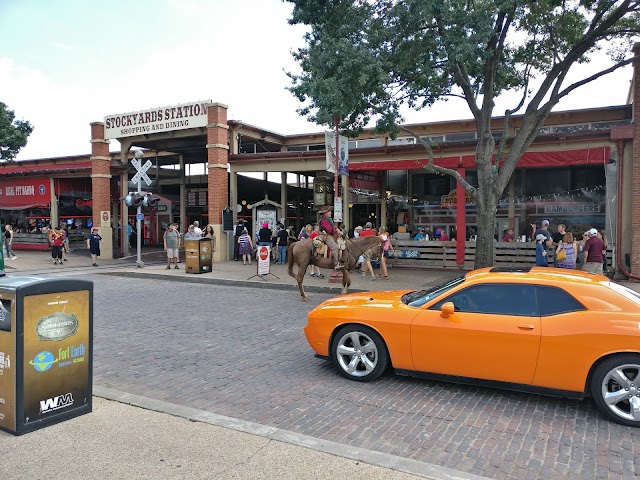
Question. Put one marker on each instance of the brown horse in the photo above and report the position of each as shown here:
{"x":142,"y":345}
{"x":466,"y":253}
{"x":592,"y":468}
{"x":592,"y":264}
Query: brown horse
{"x":302,"y":255}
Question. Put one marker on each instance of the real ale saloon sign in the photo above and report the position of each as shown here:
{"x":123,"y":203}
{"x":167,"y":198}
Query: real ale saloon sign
{"x":156,"y":120}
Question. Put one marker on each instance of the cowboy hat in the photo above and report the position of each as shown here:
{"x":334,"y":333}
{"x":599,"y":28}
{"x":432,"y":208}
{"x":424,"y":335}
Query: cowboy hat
{"x":326,"y":209}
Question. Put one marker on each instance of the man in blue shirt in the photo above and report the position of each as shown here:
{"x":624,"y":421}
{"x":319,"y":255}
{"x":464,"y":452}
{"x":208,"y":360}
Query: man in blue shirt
{"x":421,"y":235}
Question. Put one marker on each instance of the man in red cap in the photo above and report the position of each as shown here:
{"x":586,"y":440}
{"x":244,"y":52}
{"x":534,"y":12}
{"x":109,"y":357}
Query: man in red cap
{"x":332,"y":234}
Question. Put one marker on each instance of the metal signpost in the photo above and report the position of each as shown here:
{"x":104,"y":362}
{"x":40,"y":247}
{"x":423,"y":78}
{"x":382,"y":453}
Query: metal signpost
{"x":140,"y":175}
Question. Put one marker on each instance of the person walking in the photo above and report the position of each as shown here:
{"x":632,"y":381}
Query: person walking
{"x":236,"y":235}
{"x":171,"y":241}
{"x":603,"y":235}
{"x":209,"y":233}
{"x":387,"y":249}
{"x":541,"y":250}
{"x":592,"y":250}
{"x":281,"y":242}
{"x":305,"y":232}
{"x":264,"y":235}
{"x":8,"y":242}
{"x":131,"y":233}
{"x":93,"y":244}
{"x":368,"y":232}
{"x":246,"y":247}
{"x":197,"y":229}
{"x":544,"y":230}
{"x":191,"y":233}
{"x":65,"y":242}
{"x":567,"y":252}
{"x":313,"y":233}
{"x":56,"y":245}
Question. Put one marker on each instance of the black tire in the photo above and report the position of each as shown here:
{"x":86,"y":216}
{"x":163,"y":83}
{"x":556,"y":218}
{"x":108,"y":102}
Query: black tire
{"x":369,"y":358}
{"x":623,"y":392}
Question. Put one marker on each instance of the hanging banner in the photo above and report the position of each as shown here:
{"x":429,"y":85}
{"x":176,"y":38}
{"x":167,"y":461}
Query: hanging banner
{"x":330,"y":148}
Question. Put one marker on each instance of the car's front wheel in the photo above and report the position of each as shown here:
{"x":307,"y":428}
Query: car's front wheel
{"x":615,"y":387}
{"x":359,"y":353}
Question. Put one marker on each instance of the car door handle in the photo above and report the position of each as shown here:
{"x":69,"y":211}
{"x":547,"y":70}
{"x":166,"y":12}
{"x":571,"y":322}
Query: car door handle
{"x":526,"y":326}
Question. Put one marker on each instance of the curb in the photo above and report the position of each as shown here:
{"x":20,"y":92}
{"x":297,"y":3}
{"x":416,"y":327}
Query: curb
{"x":229,"y":282}
{"x":384,"y":460}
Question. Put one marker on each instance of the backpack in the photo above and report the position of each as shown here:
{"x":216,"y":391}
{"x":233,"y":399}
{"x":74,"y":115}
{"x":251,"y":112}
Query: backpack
{"x":239,"y":229}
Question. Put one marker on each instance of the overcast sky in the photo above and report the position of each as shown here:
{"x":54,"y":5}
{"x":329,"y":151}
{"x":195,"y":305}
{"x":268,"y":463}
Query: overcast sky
{"x":66,"y":63}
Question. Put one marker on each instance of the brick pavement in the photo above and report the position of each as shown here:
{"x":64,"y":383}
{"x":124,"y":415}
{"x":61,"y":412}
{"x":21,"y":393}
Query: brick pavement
{"x":241,"y":352}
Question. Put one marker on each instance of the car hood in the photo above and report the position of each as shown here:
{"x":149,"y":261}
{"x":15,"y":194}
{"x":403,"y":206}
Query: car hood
{"x":351,"y":300}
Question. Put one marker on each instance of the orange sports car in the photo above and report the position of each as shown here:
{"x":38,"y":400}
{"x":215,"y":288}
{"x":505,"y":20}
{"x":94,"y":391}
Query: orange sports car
{"x":543,"y":330}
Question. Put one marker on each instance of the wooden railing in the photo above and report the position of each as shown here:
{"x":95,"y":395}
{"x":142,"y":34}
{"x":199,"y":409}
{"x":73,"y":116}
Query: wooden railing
{"x":420,"y":254}
{"x":39,"y":241}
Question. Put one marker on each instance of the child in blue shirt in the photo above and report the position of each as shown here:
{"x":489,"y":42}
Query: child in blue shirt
{"x":541,"y":251}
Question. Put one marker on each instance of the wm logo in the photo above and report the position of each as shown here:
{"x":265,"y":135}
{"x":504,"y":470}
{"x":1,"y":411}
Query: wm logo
{"x":56,"y":403}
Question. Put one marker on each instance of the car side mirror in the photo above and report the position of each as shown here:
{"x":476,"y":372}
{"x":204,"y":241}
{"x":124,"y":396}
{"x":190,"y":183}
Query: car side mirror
{"x":447,"y":310}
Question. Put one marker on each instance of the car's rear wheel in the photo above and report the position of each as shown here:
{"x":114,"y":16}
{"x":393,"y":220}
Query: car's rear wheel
{"x":615,"y":387}
{"x":359,"y":353}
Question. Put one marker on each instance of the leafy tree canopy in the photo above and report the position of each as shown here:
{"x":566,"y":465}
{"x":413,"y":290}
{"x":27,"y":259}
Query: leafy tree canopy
{"x":365,"y":59}
{"x":13,"y":133}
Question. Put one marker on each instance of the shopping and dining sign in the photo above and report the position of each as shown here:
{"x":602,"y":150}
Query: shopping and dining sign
{"x":156,"y":120}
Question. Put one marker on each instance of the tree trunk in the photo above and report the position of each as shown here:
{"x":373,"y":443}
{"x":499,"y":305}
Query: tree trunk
{"x":486,"y":232}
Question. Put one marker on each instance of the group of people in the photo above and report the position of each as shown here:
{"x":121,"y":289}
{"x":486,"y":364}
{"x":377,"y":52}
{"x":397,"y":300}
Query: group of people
{"x":332,"y":234}
{"x":172,"y":240}
{"x":326,"y":231}
{"x":590,"y":251}
{"x":364,"y":262}
{"x":278,"y":239}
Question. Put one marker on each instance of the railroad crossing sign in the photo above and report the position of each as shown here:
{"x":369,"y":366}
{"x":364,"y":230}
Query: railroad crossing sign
{"x":142,"y":171}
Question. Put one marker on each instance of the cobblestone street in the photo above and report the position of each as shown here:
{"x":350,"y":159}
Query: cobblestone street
{"x":241,"y":352}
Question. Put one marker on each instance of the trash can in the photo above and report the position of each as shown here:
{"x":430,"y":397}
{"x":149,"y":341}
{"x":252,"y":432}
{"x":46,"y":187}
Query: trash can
{"x":197,"y":252}
{"x":46,"y":351}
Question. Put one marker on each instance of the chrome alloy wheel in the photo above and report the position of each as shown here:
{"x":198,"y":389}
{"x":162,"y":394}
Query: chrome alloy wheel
{"x":621,"y":391}
{"x":357,"y":354}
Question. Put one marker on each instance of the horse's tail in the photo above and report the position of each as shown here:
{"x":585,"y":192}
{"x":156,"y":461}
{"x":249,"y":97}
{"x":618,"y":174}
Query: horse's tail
{"x":290,"y":259}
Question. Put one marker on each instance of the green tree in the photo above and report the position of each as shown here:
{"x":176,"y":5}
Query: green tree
{"x":13,"y":133}
{"x":365,"y":59}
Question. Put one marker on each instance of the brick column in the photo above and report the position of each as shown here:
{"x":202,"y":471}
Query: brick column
{"x":101,"y":185}
{"x":635,"y":192}
{"x":217,"y":177}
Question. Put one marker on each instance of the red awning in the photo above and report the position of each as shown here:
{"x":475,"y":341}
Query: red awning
{"x":7,"y":169}
{"x":585,"y":156}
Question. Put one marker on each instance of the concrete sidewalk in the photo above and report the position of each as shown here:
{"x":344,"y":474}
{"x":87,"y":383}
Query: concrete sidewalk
{"x":129,"y":436}
{"x":119,"y":441}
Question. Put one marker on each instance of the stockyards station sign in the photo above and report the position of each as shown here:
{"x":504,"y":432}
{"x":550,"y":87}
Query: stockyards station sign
{"x":155,"y":120}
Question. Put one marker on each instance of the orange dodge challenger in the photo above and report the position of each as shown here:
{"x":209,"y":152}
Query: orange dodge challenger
{"x":543,"y":330}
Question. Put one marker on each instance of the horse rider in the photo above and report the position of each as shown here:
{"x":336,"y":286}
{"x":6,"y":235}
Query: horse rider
{"x":332,"y":232}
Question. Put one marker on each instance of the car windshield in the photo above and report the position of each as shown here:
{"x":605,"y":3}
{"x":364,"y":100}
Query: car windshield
{"x":420,"y":297}
{"x":626,"y":292}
